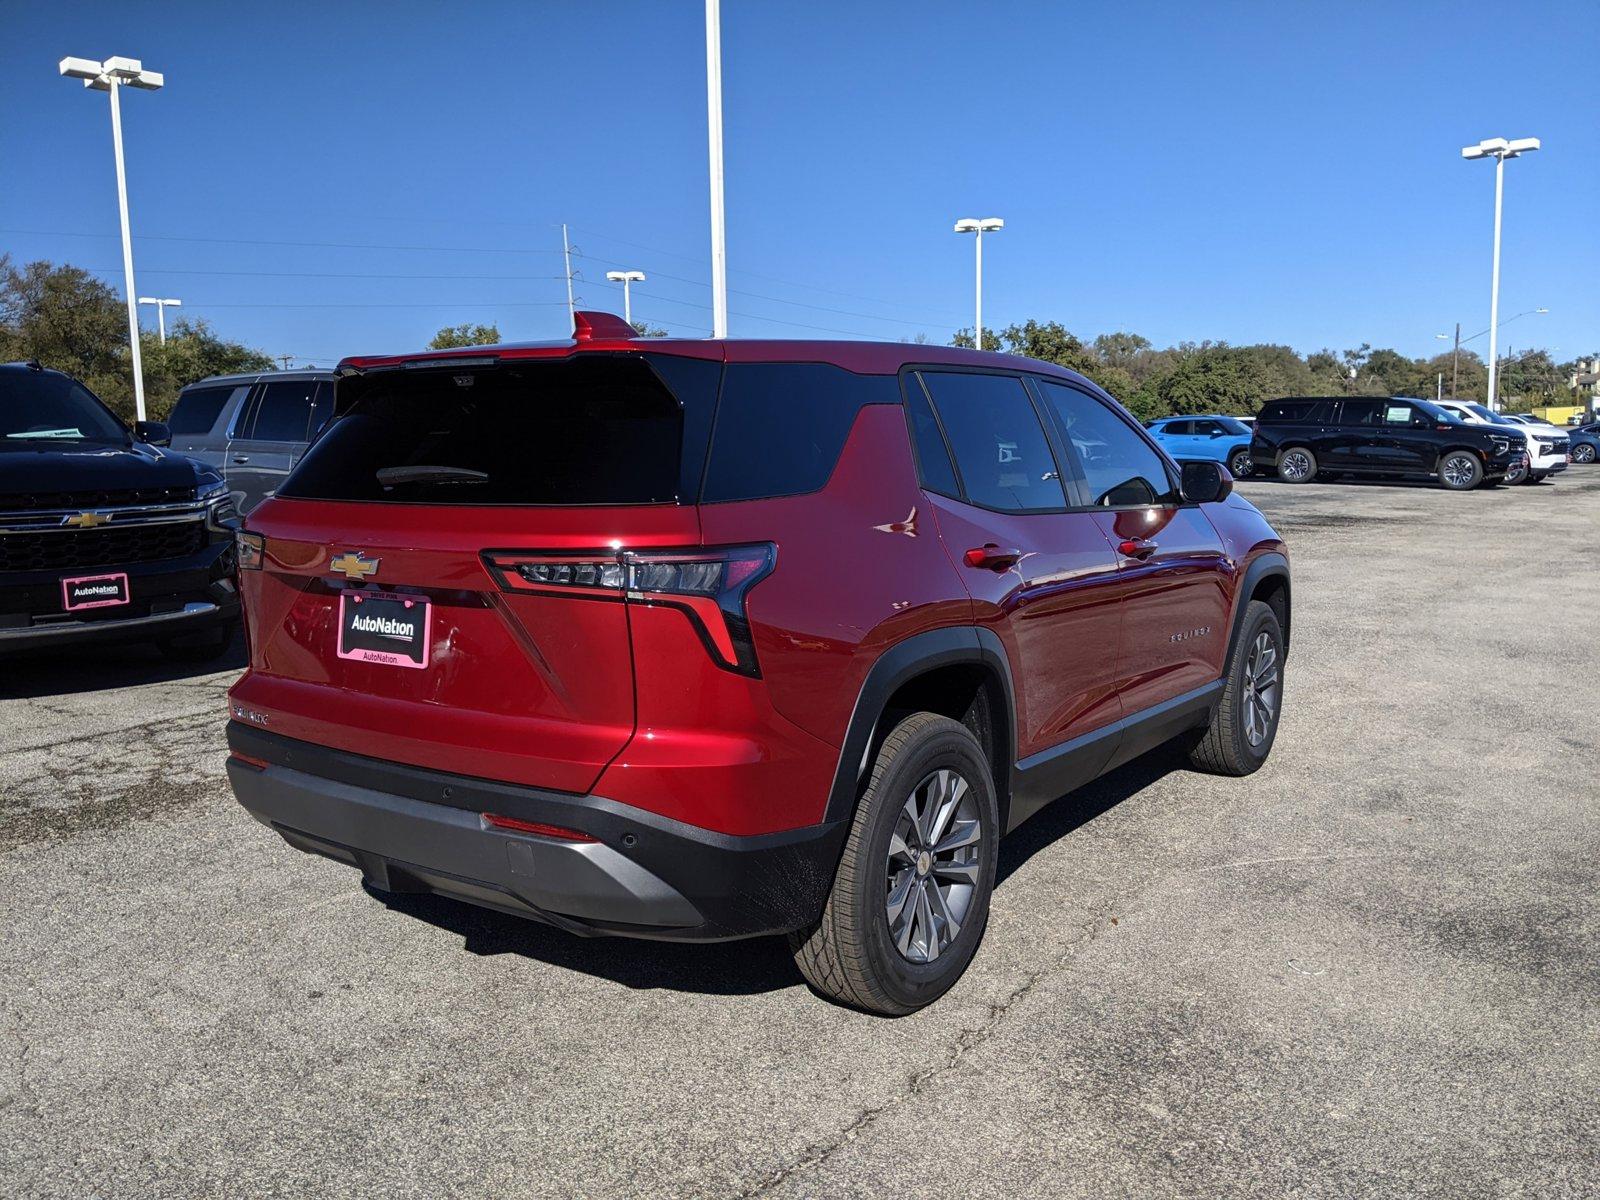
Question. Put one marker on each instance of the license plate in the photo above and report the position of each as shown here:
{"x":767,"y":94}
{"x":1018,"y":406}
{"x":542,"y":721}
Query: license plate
{"x":384,"y":627}
{"x":94,"y":591}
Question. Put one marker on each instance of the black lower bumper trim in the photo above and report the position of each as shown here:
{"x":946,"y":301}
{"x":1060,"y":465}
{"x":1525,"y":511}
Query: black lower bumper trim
{"x":411,"y":829}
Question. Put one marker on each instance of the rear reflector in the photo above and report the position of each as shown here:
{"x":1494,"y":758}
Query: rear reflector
{"x":495,"y":821}
{"x":260,"y":764}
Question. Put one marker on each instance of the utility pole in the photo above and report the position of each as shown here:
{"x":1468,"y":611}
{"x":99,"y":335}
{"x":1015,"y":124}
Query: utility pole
{"x":566,"y":253}
{"x":285,"y":359}
{"x":1455,"y":367}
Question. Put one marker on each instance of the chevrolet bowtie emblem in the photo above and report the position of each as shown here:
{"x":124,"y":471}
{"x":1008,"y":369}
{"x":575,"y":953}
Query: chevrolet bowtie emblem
{"x":352,"y":565}
{"x":86,"y":520}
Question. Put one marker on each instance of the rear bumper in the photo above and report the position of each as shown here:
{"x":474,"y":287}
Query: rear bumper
{"x":410,"y":829}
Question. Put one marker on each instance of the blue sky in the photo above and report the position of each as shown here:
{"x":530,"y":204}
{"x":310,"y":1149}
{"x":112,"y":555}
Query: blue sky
{"x":339,"y":178}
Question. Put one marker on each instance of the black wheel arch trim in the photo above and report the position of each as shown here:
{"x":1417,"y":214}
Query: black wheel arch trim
{"x":954,"y":645}
{"x":1264,"y":566}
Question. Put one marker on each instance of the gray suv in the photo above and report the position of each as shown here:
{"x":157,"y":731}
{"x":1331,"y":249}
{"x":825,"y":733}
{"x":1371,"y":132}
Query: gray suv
{"x":252,"y":428}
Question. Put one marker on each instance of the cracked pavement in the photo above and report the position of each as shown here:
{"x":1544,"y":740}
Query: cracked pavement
{"x":1369,"y":969}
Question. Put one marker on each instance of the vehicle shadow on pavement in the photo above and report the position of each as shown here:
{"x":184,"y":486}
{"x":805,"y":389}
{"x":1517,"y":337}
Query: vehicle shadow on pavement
{"x":99,"y":668}
{"x":755,"y":965}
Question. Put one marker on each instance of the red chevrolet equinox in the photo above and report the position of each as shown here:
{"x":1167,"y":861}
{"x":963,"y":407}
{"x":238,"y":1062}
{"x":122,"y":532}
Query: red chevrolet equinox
{"x":713,"y":639}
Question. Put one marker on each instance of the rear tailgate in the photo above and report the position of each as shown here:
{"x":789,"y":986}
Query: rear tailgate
{"x":527,"y":686}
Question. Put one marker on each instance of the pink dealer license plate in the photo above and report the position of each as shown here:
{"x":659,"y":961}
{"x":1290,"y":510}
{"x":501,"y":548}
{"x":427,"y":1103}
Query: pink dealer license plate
{"x":384,"y":627}
{"x":94,"y":591}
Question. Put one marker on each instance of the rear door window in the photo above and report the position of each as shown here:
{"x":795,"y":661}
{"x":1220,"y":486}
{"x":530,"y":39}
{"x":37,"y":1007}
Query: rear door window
{"x":1119,"y":467}
{"x":197,"y":410}
{"x":937,"y":472}
{"x":283,"y":414}
{"x":1288,"y":412}
{"x":589,"y":430}
{"x":1000,"y":448}
{"x":780,"y":427}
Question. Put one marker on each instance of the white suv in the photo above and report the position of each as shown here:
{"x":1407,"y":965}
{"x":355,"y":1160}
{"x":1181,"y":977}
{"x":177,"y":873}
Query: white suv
{"x":1547,"y":445}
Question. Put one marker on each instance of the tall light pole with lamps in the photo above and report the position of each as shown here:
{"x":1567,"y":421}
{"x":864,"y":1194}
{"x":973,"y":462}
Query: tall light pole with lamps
{"x":161,"y":313}
{"x":979,"y":226}
{"x":625,"y":278}
{"x":111,"y":76}
{"x":1498,"y":149}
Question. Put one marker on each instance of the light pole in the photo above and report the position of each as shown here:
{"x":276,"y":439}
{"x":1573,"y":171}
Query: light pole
{"x":110,"y":76}
{"x":625,"y":278}
{"x":719,"y":231}
{"x":161,"y":312}
{"x":1498,"y":149}
{"x":979,"y":226}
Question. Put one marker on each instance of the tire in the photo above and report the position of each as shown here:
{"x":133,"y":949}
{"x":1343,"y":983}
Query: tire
{"x":198,"y":649}
{"x":1517,"y":474}
{"x":1297,"y":465}
{"x":1245,"y":722}
{"x":852,"y":954}
{"x":1583,"y":452}
{"x":1239,"y":463}
{"x":1460,"y":470}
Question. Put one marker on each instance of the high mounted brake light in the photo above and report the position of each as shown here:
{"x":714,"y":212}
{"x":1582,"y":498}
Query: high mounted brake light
{"x":708,"y":586}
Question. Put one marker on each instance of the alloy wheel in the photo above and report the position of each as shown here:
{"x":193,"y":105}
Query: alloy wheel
{"x":1583,"y":452}
{"x":935,"y":855}
{"x":1240,"y":464}
{"x":1296,"y":465}
{"x":1458,"y":470}
{"x":1262,"y":682}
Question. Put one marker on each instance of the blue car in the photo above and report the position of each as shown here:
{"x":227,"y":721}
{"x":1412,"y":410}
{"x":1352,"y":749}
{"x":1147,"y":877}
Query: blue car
{"x":1221,"y":439}
{"x":1585,"y":442}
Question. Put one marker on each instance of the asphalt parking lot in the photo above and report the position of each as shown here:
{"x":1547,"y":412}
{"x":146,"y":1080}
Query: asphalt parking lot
{"x":1370,"y":969}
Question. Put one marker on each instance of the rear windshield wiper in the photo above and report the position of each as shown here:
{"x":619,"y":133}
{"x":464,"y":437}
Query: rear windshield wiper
{"x":394,"y":476}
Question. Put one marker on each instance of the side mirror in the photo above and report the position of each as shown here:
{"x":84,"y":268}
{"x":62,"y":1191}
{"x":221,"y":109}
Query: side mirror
{"x":1206,"y":482}
{"x":1215,"y":433}
{"x":152,"y":433}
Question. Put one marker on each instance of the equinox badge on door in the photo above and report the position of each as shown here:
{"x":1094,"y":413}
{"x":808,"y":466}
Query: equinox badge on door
{"x":353,"y":565}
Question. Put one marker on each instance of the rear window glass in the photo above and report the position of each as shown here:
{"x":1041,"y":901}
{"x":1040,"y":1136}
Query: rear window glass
{"x":780,"y":427}
{"x":590,"y":430}
{"x":197,"y":411}
{"x":1290,"y":411}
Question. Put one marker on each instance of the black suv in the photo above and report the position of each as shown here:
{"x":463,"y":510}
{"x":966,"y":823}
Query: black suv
{"x":1393,"y":437}
{"x":104,"y":536}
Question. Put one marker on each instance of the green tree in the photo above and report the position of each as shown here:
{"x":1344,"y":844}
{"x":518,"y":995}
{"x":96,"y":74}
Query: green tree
{"x":963,"y":338}
{"x":65,"y":318}
{"x":452,"y":337}
{"x":645,"y":329}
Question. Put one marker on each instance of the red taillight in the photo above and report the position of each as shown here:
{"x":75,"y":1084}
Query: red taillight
{"x":560,"y":832}
{"x":260,"y":764}
{"x":708,"y":586}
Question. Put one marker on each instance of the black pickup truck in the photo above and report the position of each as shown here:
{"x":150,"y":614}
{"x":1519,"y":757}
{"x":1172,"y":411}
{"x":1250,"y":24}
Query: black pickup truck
{"x":104,"y":535}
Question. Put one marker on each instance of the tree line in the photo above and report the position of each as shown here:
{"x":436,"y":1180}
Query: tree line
{"x":63,"y":317}
{"x":1215,"y":377}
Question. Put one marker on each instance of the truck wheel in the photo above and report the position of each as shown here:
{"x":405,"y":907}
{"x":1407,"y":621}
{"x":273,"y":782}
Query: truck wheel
{"x":1242,"y":729}
{"x":1297,"y":465}
{"x":1239,"y":463}
{"x":1517,"y":473}
{"x":911,"y":897}
{"x":1460,"y":471}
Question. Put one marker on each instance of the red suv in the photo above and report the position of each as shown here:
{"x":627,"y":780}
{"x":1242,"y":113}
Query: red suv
{"x":712,"y":639}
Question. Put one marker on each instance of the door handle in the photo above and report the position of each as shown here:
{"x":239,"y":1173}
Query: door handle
{"x":1137,"y":547}
{"x":241,"y":458}
{"x":993,"y":557}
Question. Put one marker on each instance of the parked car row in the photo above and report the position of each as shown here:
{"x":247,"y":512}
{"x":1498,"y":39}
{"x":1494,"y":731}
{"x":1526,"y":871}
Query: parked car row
{"x":1459,"y":444}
